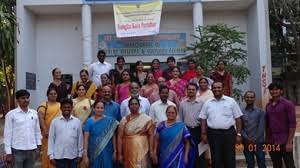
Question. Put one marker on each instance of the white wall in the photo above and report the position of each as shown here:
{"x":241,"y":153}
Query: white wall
{"x":58,"y":39}
{"x":58,"y":45}
{"x":25,"y":52}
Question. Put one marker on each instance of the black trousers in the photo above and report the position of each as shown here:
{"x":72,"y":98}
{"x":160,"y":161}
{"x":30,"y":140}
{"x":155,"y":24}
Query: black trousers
{"x":196,"y":135}
{"x":222,"y":147}
{"x":277,"y":156}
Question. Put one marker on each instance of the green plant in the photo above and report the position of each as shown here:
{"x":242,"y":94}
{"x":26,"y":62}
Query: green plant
{"x":8,"y":27}
{"x":221,"y":42}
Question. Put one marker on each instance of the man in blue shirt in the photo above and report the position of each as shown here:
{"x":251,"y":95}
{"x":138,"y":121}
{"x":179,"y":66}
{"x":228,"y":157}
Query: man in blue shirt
{"x":253,"y":132}
{"x":111,"y":108}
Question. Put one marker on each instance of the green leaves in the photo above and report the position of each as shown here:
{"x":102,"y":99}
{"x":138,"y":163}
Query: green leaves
{"x":8,"y":27}
{"x":221,"y":42}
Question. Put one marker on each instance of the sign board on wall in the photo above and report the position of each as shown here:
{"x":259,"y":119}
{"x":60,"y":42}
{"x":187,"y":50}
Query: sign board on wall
{"x":140,"y":19}
{"x":30,"y":81}
{"x":163,"y":44}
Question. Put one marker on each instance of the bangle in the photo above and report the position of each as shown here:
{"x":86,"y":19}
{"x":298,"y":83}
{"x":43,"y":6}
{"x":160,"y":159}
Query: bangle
{"x":204,"y":133}
{"x":239,"y":134}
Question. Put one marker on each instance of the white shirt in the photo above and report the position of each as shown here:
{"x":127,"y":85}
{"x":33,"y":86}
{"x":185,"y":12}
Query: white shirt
{"x":144,"y":106}
{"x":65,"y":138}
{"x":220,"y":114}
{"x":96,"y":69}
{"x":158,"y":111}
{"x":21,"y":130}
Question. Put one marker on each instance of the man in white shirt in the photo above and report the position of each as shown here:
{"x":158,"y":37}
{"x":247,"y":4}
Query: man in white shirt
{"x":134,"y":92}
{"x":98,"y":68}
{"x":65,"y":142}
{"x":158,"y":108}
{"x":218,"y":116}
{"x":22,"y":134}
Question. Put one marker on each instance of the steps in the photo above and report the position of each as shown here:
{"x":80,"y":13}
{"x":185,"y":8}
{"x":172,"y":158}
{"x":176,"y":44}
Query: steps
{"x":241,"y":161}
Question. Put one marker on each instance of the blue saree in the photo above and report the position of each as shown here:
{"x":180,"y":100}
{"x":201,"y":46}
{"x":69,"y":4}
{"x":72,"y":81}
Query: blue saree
{"x":171,"y":145}
{"x":100,"y":149}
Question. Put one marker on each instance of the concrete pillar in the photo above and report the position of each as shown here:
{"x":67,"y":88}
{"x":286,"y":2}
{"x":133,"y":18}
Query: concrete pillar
{"x":264,"y":48}
{"x":86,"y":21}
{"x":197,"y":16}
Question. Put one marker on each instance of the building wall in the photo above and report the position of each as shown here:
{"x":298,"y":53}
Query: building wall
{"x":58,"y":39}
{"x":58,"y":45}
{"x":26,"y":52}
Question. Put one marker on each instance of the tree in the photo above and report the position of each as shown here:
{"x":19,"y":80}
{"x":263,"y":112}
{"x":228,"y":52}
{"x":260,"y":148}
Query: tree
{"x":285,"y":15}
{"x":221,"y":42}
{"x":8,"y":27}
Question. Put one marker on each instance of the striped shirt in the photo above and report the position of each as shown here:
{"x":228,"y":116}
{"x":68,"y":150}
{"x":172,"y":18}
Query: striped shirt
{"x":189,"y":111}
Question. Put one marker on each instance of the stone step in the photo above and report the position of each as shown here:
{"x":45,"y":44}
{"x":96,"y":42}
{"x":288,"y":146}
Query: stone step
{"x":241,"y":161}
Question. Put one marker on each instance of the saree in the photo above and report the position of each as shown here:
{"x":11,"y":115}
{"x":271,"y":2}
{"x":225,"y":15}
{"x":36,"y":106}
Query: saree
{"x":82,"y":109}
{"x":178,"y":87}
{"x":62,"y":90}
{"x":226,"y":79}
{"x":50,"y":112}
{"x":171,"y":146}
{"x":91,"y":88}
{"x":122,"y":92}
{"x":135,"y":141}
{"x":157,"y":73}
{"x":100,"y":149}
{"x":148,"y":90}
{"x":204,"y":96}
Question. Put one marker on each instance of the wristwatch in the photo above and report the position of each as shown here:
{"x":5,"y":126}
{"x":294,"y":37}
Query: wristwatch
{"x":239,"y":134}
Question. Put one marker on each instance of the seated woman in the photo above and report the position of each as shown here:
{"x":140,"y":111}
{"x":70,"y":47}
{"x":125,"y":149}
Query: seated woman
{"x":173,"y":143}
{"x":90,"y":86}
{"x":100,"y":149}
{"x":82,"y":105}
{"x":150,"y":87}
{"x":135,"y":137}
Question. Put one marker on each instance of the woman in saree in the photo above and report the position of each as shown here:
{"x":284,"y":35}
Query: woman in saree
{"x":135,"y":138}
{"x":173,"y":144}
{"x":47,"y":111}
{"x":155,"y":68}
{"x":221,"y":75}
{"x":82,"y":105}
{"x":122,"y":89}
{"x":60,"y":86}
{"x":200,"y":75}
{"x":177,"y":84}
{"x":90,"y":86}
{"x":139,"y":74}
{"x":204,"y":92}
{"x":100,"y":149}
{"x":150,"y":88}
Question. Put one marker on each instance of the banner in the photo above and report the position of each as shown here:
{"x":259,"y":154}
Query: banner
{"x":163,"y":44}
{"x":137,"y":19}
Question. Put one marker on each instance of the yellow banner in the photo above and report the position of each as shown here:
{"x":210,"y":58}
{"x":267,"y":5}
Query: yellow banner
{"x":137,"y":19}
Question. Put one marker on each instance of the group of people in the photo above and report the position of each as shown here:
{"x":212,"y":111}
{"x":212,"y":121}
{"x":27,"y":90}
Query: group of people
{"x":148,"y":119}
